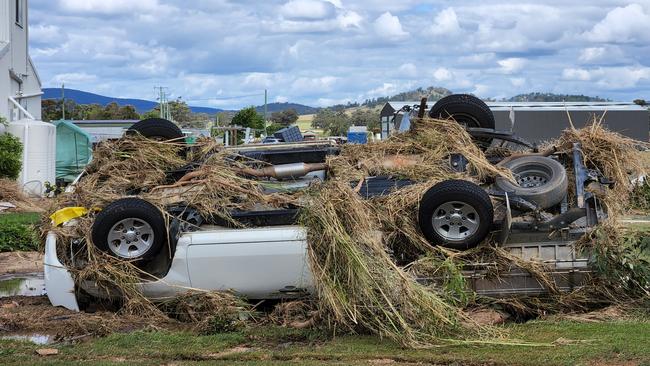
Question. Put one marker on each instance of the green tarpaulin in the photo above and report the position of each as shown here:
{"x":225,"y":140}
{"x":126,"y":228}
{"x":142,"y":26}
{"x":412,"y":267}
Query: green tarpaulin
{"x":74,"y":150}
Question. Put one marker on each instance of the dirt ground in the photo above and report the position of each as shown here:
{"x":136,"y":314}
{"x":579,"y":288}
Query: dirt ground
{"x":23,"y":315}
{"x":21,"y":262}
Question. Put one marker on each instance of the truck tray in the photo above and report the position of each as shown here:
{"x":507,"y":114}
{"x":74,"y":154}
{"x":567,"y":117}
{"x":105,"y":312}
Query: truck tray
{"x":569,"y":270}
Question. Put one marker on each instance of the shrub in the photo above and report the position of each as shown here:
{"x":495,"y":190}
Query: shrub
{"x":17,"y":237}
{"x":11,"y":150}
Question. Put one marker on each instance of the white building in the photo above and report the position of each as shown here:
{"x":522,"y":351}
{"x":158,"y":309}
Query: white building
{"x":19,"y":82}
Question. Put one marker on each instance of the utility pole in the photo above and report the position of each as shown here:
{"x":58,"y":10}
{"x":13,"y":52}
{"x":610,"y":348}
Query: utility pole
{"x":266,"y":99}
{"x":63,"y":100}
{"x":165,"y":113}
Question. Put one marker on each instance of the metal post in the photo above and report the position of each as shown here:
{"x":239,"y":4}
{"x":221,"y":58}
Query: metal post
{"x":63,"y":99}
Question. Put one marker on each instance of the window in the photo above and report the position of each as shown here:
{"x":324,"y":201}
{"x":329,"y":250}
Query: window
{"x":19,"y":12}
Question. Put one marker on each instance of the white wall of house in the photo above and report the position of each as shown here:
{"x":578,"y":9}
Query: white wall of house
{"x":18,"y":77}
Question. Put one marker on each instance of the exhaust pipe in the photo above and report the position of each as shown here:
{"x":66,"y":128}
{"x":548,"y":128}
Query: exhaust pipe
{"x":282,"y":171}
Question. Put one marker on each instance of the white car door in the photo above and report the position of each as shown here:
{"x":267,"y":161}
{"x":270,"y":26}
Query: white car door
{"x":260,"y":263}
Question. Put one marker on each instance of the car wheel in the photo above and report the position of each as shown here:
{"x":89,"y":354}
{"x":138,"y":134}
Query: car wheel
{"x":465,"y":109}
{"x":131,"y":229}
{"x":455,"y":213}
{"x":157,"y":129}
{"x":540,"y":180}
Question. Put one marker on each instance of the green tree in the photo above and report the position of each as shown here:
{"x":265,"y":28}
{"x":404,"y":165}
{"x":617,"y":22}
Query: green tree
{"x":336,"y":123}
{"x":285,"y":118}
{"x":128,"y":112}
{"x":365,"y":117}
{"x":180,"y":111}
{"x":248,"y":117}
{"x":223,"y":118}
{"x":154,"y":113}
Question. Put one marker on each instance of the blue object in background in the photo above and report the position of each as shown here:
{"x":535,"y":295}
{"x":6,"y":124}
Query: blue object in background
{"x":357,"y":137}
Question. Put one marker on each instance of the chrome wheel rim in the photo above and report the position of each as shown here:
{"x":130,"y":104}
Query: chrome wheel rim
{"x":130,"y":238}
{"x":455,"y":221}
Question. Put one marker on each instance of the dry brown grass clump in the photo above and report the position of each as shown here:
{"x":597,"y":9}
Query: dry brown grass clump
{"x":359,"y":285}
{"x":615,"y":156}
{"x":126,"y":166}
{"x":429,"y":144}
{"x":209,"y":312}
{"x":10,"y":192}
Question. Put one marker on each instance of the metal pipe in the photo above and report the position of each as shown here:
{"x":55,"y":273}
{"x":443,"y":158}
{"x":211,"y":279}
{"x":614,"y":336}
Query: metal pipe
{"x":21,"y":108}
{"x":285,"y":170}
{"x":23,"y":96}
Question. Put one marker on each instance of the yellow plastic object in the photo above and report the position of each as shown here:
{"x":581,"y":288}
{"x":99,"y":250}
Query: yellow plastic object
{"x":66,"y":214}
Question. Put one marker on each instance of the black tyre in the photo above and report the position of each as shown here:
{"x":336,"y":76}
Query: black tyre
{"x":455,"y":213}
{"x":540,"y":180}
{"x":157,"y":129}
{"x":465,"y":109}
{"x":131,"y":229}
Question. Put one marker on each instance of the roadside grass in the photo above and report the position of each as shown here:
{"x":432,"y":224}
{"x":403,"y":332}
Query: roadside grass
{"x":304,"y":123}
{"x":18,"y":232}
{"x":552,"y":343}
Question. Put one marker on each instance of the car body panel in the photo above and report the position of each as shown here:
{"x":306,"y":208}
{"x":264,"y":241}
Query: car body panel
{"x":257,"y":263}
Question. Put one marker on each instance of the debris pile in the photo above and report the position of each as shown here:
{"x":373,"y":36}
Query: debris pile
{"x":12,"y":198}
{"x":364,"y":254}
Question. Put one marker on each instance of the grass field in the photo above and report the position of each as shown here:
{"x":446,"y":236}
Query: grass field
{"x":551,"y":343}
{"x":304,"y":123}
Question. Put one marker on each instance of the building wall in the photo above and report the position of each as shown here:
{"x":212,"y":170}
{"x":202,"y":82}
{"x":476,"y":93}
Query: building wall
{"x":18,"y":76}
{"x":544,"y":125}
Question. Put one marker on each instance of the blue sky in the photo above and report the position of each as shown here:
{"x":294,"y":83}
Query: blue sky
{"x":325,"y":52}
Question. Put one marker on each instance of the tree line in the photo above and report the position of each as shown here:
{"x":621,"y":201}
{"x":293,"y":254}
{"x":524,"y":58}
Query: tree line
{"x":334,"y":122}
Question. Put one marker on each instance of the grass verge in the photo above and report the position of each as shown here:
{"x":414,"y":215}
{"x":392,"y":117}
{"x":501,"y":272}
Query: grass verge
{"x":558,"y":343}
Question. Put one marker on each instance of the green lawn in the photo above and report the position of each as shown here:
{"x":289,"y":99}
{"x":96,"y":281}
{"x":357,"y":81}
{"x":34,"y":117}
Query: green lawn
{"x":552,"y":343}
{"x":28,"y":218}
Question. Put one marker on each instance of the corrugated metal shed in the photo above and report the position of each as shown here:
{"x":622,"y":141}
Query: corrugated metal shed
{"x":536,"y":122}
{"x":101,"y":130}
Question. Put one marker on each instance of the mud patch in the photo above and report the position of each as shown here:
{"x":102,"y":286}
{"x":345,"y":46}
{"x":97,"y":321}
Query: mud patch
{"x":31,"y":284}
{"x":21,"y":262}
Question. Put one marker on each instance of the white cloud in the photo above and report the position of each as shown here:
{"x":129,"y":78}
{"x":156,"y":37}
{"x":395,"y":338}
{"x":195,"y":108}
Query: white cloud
{"x":314,"y":86}
{"x":442,"y":74}
{"x":73,"y":78}
{"x":109,"y":6}
{"x":446,"y":23}
{"x":389,"y":27}
{"x":512,"y":65}
{"x":350,"y":19}
{"x":591,"y":54}
{"x":307,"y":9}
{"x":621,"y":25}
{"x":576,"y":74}
{"x":387,"y":89}
{"x":481,"y":90}
{"x":518,"y":82}
{"x":408,"y":70}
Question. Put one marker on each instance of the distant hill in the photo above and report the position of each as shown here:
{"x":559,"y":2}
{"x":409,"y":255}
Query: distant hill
{"x":142,"y":106}
{"x":278,"y":107}
{"x":551,"y":97}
